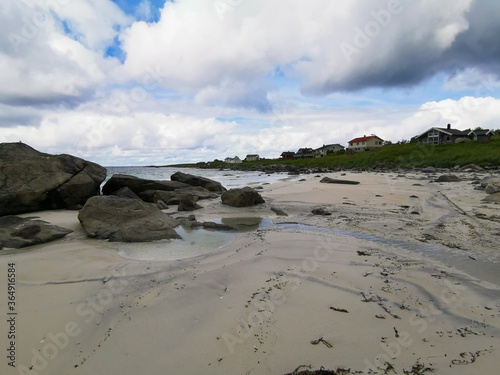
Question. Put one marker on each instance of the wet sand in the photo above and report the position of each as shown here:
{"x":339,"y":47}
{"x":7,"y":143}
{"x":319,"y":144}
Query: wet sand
{"x":403,"y":274}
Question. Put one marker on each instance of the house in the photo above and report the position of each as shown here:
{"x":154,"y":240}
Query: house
{"x":235,"y":160}
{"x":483,"y":135}
{"x":438,"y":136}
{"x":304,"y":153}
{"x":365,"y":143}
{"x":252,"y":157}
{"x":287,"y":155}
{"x":328,"y":149}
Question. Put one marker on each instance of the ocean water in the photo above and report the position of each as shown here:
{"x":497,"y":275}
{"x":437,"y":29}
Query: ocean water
{"x":228,"y":178}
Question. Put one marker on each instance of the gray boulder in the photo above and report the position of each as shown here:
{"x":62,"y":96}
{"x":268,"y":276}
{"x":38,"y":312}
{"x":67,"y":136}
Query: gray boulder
{"x":126,"y":220}
{"x":447,"y":178}
{"x":492,"y":189}
{"x":198,"y":192}
{"x":33,"y":181}
{"x":491,"y":184}
{"x":192,"y":180}
{"x":125,"y":192}
{"x":17,"y":232}
{"x":188,"y":203}
{"x":139,"y":185}
{"x":243,"y":197}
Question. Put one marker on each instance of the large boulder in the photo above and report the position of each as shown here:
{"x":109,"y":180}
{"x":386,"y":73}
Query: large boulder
{"x":192,"y":180}
{"x":126,"y":220}
{"x":491,"y":184}
{"x":33,"y":181}
{"x":243,"y":197}
{"x":198,"y":192}
{"x":139,"y":185}
{"x":17,"y":232}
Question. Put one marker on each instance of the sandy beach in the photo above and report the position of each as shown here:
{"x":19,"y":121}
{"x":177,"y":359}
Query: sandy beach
{"x":402,"y":278}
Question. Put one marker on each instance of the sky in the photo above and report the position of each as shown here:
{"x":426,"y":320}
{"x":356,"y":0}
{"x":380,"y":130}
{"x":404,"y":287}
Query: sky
{"x":154,"y":82}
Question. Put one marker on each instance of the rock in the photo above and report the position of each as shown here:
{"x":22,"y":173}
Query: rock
{"x":34,"y":181}
{"x":161,"y":205}
{"x":17,"y":232}
{"x":429,"y":170}
{"x":328,"y":180}
{"x":447,"y":178}
{"x":493,"y":182}
{"x":188,"y":203}
{"x":211,"y":225}
{"x":495,"y":198}
{"x":242,"y":197}
{"x":125,"y":192}
{"x":321,"y":211}
{"x":198,"y":192}
{"x":471,"y":168}
{"x":278,"y":211}
{"x":139,"y":185}
{"x":192,"y":180}
{"x":492,"y":189}
{"x":126,"y":220}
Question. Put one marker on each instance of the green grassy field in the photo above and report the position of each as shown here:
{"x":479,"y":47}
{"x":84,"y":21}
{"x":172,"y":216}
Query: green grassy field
{"x":391,"y":156}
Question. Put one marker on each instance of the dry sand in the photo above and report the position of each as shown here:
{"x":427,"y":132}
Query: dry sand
{"x":403,"y":276}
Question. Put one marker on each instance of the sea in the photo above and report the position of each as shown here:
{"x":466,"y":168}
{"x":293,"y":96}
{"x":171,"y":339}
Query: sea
{"x":228,"y":178}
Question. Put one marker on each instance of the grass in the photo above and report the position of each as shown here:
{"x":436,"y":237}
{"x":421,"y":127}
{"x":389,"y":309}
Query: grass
{"x":406,"y":156}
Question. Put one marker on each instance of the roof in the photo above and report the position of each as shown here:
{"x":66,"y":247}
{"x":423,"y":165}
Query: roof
{"x":252,"y":155}
{"x":481,"y":132}
{"x":327,"y":146}
{"x":445,"y":131}
{"x":364,"y":139}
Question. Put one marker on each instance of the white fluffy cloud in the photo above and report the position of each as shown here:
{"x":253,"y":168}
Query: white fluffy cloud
{"x":52,"y":51}
{"x":327,"y":45}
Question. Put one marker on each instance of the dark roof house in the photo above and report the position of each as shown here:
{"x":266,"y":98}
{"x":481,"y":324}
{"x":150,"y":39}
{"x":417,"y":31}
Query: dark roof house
{"x":483,"y":135}
{"x":304,"y":152}
{"x":438,"y":136}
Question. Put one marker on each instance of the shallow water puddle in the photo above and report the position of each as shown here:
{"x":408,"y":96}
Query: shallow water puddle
{"x":200,"y":241}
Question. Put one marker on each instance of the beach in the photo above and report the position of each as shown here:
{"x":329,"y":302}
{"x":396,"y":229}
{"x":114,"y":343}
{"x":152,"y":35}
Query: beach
{"x":401,"y":275}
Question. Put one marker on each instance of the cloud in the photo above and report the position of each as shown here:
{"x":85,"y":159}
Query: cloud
{"x":52,"y":51}
{"x":327,"y":47}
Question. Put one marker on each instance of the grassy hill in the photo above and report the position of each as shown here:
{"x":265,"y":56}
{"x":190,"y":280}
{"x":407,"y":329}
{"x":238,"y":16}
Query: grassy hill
{"x":391,"y":156}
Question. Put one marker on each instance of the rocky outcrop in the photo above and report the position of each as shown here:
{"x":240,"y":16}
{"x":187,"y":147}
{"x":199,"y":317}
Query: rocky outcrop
{"x":192,"y":180}
{"x":17,"y":232}
{"x":328,"y":180}
{"x":243,"y":197}
{"x":126,"y":220}
{"x":139,"y":185}
{"x":33,"y":181}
